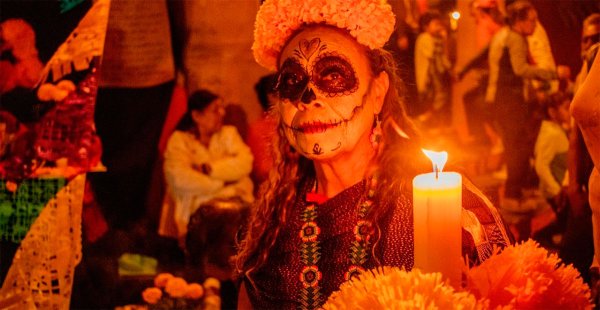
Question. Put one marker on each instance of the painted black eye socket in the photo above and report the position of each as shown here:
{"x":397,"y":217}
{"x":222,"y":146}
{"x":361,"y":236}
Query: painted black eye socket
{"x":334,"y":76}
{"x":292,"y":80}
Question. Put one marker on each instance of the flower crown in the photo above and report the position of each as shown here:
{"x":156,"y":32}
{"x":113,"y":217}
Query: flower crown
{"x":370,"y":22}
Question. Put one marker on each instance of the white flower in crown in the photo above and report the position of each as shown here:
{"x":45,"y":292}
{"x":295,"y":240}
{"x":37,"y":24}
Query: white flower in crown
{"x":370,"y":22}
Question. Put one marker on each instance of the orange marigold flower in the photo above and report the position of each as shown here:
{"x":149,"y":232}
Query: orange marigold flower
{"x":527,"y":276}
{"x":176,"y":287}
{"x":162,"y":278}
{"x":11,"y":186}
{"x":152,"y":295}
{"x":194,"y":291}
{"x":394,"y":288}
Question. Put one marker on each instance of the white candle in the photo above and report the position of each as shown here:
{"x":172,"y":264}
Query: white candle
{"x":437,"y":209}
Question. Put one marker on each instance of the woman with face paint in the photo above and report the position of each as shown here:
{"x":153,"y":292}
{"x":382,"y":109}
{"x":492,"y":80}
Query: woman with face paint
{"x":340,"y":200}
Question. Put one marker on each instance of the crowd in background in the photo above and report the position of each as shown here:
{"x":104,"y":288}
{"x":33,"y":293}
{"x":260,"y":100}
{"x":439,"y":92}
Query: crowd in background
{"x":517,"y":110}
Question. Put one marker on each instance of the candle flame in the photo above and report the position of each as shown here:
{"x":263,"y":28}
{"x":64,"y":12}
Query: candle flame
{"x":438,"y":159}
{"x":455,"y":15}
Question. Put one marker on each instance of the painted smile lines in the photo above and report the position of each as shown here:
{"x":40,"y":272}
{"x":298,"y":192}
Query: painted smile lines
{"x":315,"y":127}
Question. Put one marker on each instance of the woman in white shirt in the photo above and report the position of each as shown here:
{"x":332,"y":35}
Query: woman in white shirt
{"x":203,"y":160}
{"x":551,"y":147}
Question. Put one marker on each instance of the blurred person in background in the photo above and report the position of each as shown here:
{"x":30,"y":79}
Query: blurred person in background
{"x":509,"y":70}
{"x":203,"y":160}
{"x":578,"y":243}
{"x":432,"y":70}
{"x":550,"y":163}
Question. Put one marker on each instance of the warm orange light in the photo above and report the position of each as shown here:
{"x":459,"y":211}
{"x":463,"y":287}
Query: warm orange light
{"x":438,"y":159}
{"x":455,"y":15}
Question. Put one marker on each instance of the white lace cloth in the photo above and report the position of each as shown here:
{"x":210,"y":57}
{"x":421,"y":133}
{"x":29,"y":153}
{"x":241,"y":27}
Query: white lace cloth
{"x":43,"y":268}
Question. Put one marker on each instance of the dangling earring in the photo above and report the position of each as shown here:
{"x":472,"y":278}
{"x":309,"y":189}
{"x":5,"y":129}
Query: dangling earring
{"x":376,"y":133}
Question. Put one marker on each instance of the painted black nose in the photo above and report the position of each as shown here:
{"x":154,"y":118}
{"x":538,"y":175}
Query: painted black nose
{"x":308,"y":96}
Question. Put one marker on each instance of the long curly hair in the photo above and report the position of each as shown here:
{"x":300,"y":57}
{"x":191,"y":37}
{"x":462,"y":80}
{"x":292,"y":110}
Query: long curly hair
{"x":398,"y":152}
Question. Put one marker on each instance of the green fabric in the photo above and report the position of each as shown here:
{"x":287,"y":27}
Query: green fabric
{"x":19,"y":209}
{"x":137,"y":265}
{"x":67,"y":5}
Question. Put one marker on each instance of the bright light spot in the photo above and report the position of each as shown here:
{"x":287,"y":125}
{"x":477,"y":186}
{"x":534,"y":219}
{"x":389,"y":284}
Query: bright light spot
{"x":455,"y":15}
{"x":438,"y":159}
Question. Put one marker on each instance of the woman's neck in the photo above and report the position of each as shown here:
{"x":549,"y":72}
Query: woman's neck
{"x":335,"y":175}
{"x":202,"y":135}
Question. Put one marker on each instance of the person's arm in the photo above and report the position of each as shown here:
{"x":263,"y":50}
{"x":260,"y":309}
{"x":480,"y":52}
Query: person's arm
{"x":578,"y":198}
{"x":179,"y":170}
{"x":477,"y":61}
{"x":424,"y":47}
{"x":238,"y":163}
{"x":585,"y":108}
{"x":518,"y":49}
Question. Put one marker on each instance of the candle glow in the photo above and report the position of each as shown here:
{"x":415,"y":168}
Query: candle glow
{"x":437,"y":200}
{"x":438,"y":159}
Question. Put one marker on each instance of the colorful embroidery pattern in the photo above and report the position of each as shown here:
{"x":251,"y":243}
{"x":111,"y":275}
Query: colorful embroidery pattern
{"x":310,"y":276}
{"x":362,"y":236}
{"x":310,"y":295}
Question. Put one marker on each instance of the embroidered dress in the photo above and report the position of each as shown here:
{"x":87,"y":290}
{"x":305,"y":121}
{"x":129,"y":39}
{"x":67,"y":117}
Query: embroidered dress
{"x":279,"y":283}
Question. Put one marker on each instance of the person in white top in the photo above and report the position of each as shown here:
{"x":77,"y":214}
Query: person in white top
{"x":552,"y":145}
{"x":203,"y":160}
{"x":432,"y":68}
{"x":540,"y":54}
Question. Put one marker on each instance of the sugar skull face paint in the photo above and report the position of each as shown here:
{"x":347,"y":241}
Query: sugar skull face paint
{"x":332,"y":74}
{"x":324,"y":85}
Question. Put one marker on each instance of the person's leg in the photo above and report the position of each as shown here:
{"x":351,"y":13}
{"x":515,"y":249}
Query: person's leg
{"x":515,"y":156}
{"x":511,"y":120}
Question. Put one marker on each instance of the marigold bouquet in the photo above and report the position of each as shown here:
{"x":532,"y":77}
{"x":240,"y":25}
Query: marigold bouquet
{"x":170,"y":292}
{"x":395,"y":288}
{"x":523,"y":276}
{"x":527,"y":276}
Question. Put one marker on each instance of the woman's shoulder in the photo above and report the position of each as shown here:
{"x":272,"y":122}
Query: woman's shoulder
{"x":179,"y":137}
{"x":228,"y":132}
{"x":180,"y":134}
{"x":229,"y":129}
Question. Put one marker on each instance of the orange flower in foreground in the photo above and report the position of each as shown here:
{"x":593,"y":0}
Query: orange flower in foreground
{"x":394,"y":288}
{"x":176,"y":287}
{"x":162,"y":278}
{"x":152,"y":295}
{"x":194,"y":291}
{"x":526,"y":276}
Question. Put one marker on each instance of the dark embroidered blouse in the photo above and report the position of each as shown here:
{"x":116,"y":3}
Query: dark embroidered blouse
{"x":277,"y":283}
